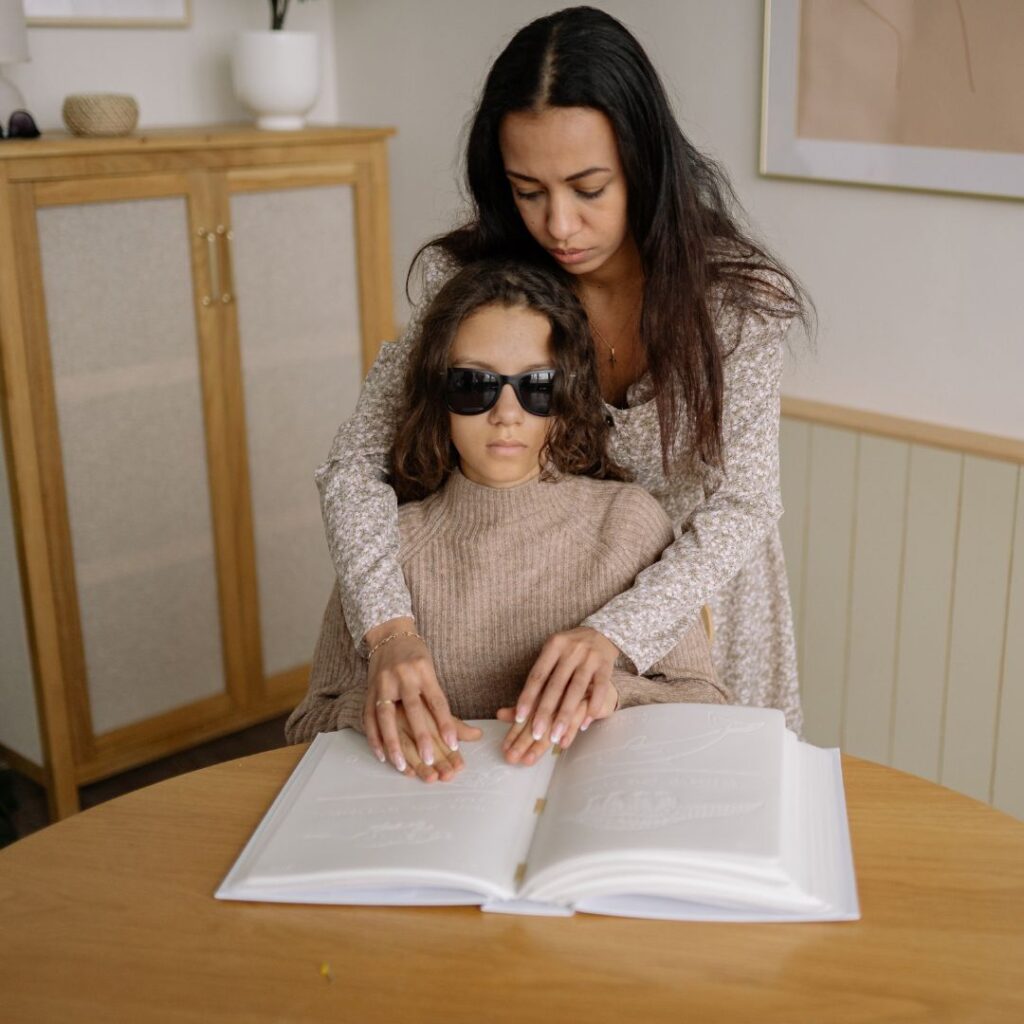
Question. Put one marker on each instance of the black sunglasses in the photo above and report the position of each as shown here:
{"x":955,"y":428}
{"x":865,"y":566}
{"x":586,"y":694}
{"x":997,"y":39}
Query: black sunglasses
{"x":469,"y":392}
{"x":20,"y":125}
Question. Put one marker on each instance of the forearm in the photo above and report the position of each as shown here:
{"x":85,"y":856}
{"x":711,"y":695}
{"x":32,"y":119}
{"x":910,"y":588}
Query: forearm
{"x":741,"y":505}
{"x":360,"y":513}
{"x":359,"y":507}
{"x":685,"y":675}
{"x":634,"y":690}
{"x":645,"y":621}
{"x":321,"y":712}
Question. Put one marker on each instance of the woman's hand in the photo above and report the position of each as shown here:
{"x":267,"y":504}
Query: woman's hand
{"x":447,"y":761}
{"x":569,"y":686}
{"x":401,"y":683}
{"x":519,"y":744}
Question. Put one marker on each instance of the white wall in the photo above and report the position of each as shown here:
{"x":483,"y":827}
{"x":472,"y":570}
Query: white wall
{"x":918,"y":294}
{"x":179,"y":76}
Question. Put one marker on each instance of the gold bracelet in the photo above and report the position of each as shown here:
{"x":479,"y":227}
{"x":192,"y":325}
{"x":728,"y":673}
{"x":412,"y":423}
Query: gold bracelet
{"x":391,"y":636}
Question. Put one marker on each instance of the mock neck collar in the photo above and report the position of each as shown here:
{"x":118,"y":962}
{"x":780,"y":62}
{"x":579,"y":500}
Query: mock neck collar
{"x":465,"y":503}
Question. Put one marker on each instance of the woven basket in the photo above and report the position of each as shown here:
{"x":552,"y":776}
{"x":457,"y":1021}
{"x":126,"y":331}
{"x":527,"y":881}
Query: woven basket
{"x":100,"y":114}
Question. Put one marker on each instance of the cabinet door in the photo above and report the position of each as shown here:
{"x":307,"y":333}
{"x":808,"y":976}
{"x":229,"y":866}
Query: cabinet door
{"x":131,"y":388}
{"x":303,"y":250}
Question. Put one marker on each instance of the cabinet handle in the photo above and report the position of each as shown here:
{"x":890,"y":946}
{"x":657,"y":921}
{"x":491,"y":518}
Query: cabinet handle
{"x":226,"y":234}
{"x":212,"y":265}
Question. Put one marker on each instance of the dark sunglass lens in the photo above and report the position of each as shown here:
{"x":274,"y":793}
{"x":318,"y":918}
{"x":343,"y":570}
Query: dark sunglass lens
{"x":22,"y":126}
{"x":538,"y":391}
{"x":469,"y":392}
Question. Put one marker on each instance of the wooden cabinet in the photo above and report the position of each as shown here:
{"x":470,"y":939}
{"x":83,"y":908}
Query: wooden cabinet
{"x":185,"y":317}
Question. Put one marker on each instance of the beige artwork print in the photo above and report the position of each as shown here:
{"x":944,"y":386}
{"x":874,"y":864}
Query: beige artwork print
{"x":936,"y":73}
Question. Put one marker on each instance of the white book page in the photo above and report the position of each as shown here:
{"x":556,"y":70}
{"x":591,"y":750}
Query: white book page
{"x":820,"y":883}
{"x":347,"y":823}
{"x":669,"y":784}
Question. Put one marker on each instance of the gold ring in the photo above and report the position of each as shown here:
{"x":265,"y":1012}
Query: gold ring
{"x":382,"y":702}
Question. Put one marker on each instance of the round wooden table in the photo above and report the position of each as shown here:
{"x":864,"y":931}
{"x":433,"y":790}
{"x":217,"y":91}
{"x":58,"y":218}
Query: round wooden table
{"x":110,"y":916}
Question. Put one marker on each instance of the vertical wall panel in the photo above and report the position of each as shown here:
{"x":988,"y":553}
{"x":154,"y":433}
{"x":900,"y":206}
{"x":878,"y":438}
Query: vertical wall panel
{"x":1008,"y":780}
{"x":827,"y":581}
{"x":874,"y":596}
{"x":933,"y":495}
{"x":978,"y":625}
{"x":794,"y":452}
{"x":906,"y":569}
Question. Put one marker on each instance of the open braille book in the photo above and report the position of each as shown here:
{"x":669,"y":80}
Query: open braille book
{"x":675,"y":811}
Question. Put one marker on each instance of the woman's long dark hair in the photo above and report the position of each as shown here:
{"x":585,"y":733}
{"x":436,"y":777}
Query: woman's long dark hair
{"x":680,"y":209}
{"x":422,"y":454}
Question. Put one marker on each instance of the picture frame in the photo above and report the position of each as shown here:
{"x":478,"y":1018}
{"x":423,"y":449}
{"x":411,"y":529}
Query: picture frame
{"x":108,"y":13}
{"x":799,"y":112}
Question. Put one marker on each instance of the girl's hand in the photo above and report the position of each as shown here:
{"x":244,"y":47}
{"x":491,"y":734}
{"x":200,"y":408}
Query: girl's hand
{"x":573,"y":671}
{"x":447,"y":762}
{"x":401,"y":678}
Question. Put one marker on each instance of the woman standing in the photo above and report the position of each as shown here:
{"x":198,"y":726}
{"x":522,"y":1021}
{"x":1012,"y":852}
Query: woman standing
{"x":574,"y":160}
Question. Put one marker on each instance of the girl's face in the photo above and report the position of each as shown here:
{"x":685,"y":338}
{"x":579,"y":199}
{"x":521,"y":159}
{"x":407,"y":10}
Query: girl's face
{"x":569,"y":187}
{"x":501,"y":447}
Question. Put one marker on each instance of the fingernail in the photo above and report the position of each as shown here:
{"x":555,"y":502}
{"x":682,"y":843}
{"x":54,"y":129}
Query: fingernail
{"x":380,"y":756}
{"x":400,"y":763}
{"x":556,"y":733}
{"x":586,"y":724}
{"x":538,"y":731}
{"x":428,"y":755}
{"x":451,"y":741}
{"x":520,"y":716}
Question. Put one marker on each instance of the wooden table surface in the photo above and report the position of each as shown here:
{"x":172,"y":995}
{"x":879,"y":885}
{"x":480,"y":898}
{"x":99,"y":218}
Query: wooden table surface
{"x":110,"y":916}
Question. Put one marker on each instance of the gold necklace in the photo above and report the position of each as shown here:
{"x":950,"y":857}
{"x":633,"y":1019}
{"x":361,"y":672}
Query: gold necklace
{"x":604,"y":341}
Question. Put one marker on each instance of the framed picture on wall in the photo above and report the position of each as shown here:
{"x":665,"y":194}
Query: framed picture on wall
{"x":920,"y":94}
{"x":109,"y":13}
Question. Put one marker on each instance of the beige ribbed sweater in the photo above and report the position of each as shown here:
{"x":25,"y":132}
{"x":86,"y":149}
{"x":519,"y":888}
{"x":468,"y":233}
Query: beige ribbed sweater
{"x":492,"y":574}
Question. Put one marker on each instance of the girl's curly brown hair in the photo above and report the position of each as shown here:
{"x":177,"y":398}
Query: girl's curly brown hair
{"x":422,"y":454}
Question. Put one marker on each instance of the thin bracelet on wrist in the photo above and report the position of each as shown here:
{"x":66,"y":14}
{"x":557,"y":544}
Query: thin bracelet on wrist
{"x":392,"y":636}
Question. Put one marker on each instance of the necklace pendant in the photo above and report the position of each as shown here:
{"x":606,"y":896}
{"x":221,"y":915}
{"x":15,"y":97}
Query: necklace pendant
{"x":611,"y":358}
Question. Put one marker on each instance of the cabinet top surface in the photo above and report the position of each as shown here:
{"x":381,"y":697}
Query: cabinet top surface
{"x":52,"y":143}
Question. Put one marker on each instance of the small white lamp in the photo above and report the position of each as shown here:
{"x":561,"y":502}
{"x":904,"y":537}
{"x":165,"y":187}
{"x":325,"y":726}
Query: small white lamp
{"x":13,"y":50}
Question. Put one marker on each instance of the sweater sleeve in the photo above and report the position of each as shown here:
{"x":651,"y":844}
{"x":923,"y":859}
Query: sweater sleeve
{"x":639,"y":531}
{"x":684,"y":676}
{"x":741,"y":502}
{"x":337,"y":681}
{"x":359,"y":508}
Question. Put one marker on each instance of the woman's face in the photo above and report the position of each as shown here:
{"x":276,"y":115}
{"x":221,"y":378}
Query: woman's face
{"x":501,"y":447}
{"x":567,"y":183}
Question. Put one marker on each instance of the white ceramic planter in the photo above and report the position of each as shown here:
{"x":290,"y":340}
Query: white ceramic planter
{"x":277,"y":76}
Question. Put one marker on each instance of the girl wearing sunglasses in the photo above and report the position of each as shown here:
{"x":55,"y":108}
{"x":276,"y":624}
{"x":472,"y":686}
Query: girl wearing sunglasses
{"x":515,"y":524}
{"x":575,"y":162}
